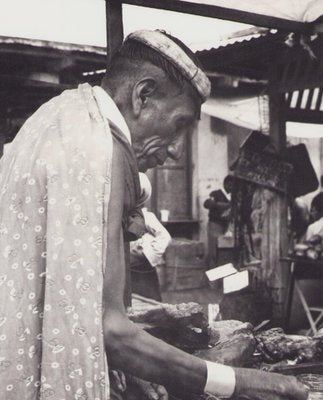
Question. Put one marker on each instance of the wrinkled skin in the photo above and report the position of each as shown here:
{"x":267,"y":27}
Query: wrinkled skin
{"x":149,"y":391}
{"x":258,"y":385}
{"x":160,"y":120}
{"x":118,"y":379}
{"x":146,"y":390}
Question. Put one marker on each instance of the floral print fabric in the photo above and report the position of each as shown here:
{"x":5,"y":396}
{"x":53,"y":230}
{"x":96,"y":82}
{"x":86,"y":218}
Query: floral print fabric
{"x":54,"y":190}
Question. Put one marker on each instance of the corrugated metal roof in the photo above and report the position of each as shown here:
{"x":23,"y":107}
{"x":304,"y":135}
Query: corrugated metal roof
{"x":52,"y":45}
{"x":236,"y":37}
{"x":296,"y":60}
{"x":221,"y":42}
{"x":248,"y":56}
{"x":245,"y":37}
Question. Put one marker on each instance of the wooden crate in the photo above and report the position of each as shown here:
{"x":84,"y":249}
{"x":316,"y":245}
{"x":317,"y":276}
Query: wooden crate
{"x":185,"y":266}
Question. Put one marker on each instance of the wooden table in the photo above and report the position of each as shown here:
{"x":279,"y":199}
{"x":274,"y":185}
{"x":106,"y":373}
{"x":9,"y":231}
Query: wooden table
{"x":301,"y":269}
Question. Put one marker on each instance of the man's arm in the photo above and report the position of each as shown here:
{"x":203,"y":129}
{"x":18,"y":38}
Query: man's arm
{"x":135,"y":352}
{"x":129,"y":348}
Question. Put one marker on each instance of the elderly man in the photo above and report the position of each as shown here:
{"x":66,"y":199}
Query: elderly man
{"x":68,"y":185}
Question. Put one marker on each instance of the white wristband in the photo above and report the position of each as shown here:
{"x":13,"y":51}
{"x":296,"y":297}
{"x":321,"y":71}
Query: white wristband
{"x":221,"y":379}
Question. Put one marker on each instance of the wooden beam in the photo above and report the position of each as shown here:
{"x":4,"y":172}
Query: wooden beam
{"x":304,"y":116}
{"x":208,"y":10}
{"x":309,"y":99}
{"x":275,"y":233}
{"x":25,"y":81}
{"x":277,"y":119}
{"x":298,"y":73}
{"x":114,"y":41}
{"x":319,"y":100}
{"x":50,"y":54}
{"x":114,"y":26}
{"x":3,"y":128}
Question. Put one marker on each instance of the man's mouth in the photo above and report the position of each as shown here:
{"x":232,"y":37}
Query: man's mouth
{"x":145,"y":164}
{"x":152,"y":162}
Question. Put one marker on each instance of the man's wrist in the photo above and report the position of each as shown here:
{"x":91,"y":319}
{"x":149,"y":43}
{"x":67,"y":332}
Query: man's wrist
{"x":221,"y":379}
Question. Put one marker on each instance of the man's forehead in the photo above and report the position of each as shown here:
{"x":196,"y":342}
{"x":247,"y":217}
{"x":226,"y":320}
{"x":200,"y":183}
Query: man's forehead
{"x":188,"y":101}
{"x":187,"y":110}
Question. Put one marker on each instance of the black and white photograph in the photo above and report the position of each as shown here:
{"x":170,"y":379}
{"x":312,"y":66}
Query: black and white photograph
{"x":161,"y":199}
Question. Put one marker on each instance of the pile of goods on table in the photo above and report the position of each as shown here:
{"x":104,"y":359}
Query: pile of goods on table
{"x":312,"y":249}
{"x":229,"y":342}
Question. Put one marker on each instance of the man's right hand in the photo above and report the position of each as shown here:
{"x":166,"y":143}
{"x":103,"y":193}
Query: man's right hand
{"x":259,"y":385}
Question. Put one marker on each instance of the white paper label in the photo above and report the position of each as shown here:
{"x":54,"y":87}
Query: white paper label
{"x":235,"y":282}
{"x":220,"y":272}
{"x":213,"y":311}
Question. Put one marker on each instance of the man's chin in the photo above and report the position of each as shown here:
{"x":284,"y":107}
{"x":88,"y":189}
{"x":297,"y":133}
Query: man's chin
{"x":144,"y":166}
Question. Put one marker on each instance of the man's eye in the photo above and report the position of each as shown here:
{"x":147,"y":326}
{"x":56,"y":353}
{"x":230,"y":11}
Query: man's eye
{"x":180,"y":124}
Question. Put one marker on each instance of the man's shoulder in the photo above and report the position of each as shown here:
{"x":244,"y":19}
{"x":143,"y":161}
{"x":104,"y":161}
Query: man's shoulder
{"x":118,"y":157}
{"x":57,"y":104}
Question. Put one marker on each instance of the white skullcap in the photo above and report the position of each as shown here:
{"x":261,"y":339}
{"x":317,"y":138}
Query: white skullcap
{"x":170,"y":50}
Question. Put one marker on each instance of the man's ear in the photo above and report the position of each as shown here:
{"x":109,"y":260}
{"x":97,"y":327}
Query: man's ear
{"x":142,"y":91}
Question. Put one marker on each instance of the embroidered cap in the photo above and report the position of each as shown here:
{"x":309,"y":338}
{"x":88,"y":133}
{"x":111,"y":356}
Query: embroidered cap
{"x":176,"y":56}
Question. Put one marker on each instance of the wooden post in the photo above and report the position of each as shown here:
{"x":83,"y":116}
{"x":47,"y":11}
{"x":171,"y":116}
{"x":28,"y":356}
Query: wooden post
{"x":275,"y":234}
{"x":277,"y":122}
{"x":4,"y":127}
{"x":2,"y":142}
{"x":114,"y":26}
{"x":114,"y":41}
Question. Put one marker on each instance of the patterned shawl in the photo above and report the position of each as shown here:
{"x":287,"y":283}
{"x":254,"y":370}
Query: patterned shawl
{"x":54,"y":187}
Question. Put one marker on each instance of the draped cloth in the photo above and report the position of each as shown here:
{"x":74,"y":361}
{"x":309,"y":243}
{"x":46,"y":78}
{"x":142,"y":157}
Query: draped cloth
{"x":55,"y":185}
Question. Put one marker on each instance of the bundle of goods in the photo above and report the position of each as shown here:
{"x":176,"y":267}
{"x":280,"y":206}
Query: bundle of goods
{"x":312,"y":249}
{"x":275,"y":348}
{"x":181,"y":325}
{"x":229,"y":342}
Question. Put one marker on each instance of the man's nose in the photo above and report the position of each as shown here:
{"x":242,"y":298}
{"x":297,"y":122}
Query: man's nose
{"x":175,"y":149}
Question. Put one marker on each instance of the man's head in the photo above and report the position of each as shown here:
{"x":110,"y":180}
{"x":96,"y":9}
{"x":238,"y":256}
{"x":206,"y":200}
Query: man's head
{"x":159,"y":87}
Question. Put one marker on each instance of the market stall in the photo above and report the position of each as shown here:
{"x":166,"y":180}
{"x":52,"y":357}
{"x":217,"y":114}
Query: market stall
{"x":292,"y":84}
{"x":271,"y":349}
{"x":231,"y":342}
{"x":296,"y":70}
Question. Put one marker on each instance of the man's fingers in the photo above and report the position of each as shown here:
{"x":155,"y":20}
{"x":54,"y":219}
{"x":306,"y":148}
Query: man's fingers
{"x":258,"y":385}
{"x":162,"y":392}
{"x":289,"y":387}
{"x":301,"y":391}
{"x":151,"y":393}
{"x":147,"y":389}
{"x":123,"y":380}
{"x":120,"y":380}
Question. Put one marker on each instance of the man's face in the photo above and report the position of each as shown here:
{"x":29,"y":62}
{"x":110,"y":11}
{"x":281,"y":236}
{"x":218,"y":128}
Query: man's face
{"x":159,"y":131}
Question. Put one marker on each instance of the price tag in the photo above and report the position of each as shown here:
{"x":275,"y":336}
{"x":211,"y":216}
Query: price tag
{"x":235,"y":282}
{"x":220,"y":272}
